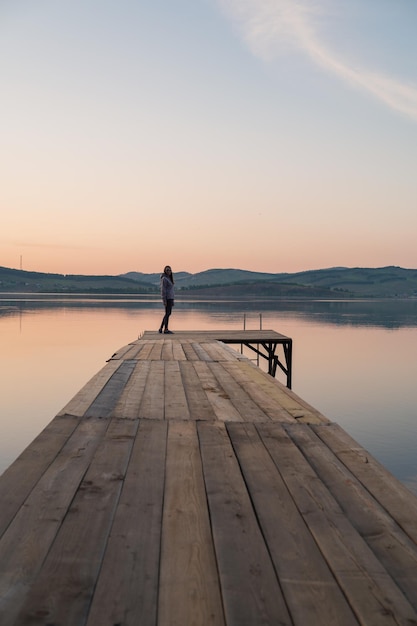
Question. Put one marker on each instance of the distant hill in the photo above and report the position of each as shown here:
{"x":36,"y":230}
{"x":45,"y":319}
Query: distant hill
{"x":383,"y":282}
{"x":36,"y":282}
{"x":338,"y":282}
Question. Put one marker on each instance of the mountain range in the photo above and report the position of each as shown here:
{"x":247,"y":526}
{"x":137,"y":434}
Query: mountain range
{"x":336,"y":282}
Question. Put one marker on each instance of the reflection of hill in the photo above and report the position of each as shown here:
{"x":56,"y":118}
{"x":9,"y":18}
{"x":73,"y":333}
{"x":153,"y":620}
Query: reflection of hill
{"x":381,"y":313}
{"x":384,"y":313}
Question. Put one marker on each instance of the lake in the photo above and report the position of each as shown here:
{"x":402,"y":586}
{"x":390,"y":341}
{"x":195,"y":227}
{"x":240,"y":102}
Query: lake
{"x":355,"y":361}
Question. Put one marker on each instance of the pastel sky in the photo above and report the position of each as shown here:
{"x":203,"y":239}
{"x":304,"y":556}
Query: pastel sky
{"x":269,"y":135}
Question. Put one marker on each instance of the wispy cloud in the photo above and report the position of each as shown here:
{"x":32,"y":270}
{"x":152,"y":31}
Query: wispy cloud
{"x":271,"y":27}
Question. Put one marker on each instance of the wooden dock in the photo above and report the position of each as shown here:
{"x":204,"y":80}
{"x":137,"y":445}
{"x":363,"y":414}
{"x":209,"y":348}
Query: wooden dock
{"x":183,"y":486}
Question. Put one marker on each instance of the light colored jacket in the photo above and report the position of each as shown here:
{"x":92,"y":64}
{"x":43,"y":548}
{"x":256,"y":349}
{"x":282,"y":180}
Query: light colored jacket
{"x":167,"y":288}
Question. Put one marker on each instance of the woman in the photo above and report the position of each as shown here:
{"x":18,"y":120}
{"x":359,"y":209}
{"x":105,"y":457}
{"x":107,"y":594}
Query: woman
{"x":167,"y":293}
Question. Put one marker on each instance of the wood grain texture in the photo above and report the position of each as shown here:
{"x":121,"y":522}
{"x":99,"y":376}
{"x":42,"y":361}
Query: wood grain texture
{"x":251,"y":592}
{"x":189,"y":585}
{"x":176,"y":405}
{"x":127,"y":589}
{"x":128,"y":404}
{"x":382,"y":534}
{"x":310,"y":590}
{"x":22,"y":476}
{"x":74,"y":560}
{"x":372,"y":593}
{"x":153,"y":401}
{"x":26,"y":543}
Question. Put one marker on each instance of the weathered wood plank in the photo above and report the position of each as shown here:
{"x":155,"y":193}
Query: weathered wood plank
{"x":198,"y":403}
{"x":146,"y":350}
{"x":176,"y":405}
{"x":122,"y":352}
{"x":153,"y":401}
{"x":188,"y":349}
{"x":103,"y":405}
{"x":310,"y":590}
{"x":127,"y":589}
{"x":131,"y":397}
{"x":20,"y":478}
{"x":251,"y":593}
{"x":200,"y":352}
{"x":82,"y":400}
{"x":385,"y":488}
{"x":386,"y":539}
{"x":130,"y":352}
{"x":156,"y":351}
{"x":295,"y":406}
{"x":64,"y":586}
{"x":374,"y":597}
{"x":189,"y":586}
{"x":244,"y":405}
{"x":23,"y":548}
{"x":167,"y":353}
{"x":247,"y":376}
{"x":178,"y":352}
{"x":217,"y":351}
{"x":218,"y":398}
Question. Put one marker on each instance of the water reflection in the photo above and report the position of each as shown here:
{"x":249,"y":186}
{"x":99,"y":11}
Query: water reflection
{"x":388,"y":313}
{"x":354,"y":361}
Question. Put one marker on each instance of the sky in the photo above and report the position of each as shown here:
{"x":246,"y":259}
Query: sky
{"x":267,"y":135}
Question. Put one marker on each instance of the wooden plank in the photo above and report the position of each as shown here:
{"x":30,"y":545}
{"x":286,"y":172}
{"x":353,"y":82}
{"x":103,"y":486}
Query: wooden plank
{"x":146,"y":350}
{"x":127,"y":589}
{"x":199,"y":406}
{"x":385,"y":538}
{"x":23,"y":548}
{"x":189,"y":587}
{"x":218,"y":398}
{"x":176,"y":406}
{"x":235,"y":352}
{"x":122,"y":352}
{"x":131,"y":353}
{"x":20,"y":478}
{"x":250,"y":589}
{"x":167,"y":353}
{"x":247,"y":375}
{"x":178,"y":351}
{"x":385,"y":488}
{"x":64,"y":587}
{"x":217,"y":351}
{"x":374,"y":597}
{"x":246,"y":407}
{"x":295,"y":406}
{"x":130,"y":399}
{"x":310,"y":590}
{"x":156,"y":351}
{"x":83,"y":399}
{"x":190,"y":353}
{"x":103,"y":405}
{"x":200,"y":352}
{"x":152,"y":405}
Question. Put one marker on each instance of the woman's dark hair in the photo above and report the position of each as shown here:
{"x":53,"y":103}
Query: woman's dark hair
{"x":169,"y":275}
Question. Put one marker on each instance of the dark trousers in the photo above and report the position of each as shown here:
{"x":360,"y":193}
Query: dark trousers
{"x":168,"y":311}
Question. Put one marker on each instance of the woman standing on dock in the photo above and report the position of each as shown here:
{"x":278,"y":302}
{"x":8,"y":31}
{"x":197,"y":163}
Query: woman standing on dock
{"x":167,"y":293}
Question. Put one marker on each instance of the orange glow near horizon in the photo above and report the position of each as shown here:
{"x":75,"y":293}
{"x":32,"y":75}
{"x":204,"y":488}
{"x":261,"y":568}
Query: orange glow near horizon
{"x":274,"y":151}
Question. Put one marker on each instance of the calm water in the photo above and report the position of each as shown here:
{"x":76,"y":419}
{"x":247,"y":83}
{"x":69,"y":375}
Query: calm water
{"x":354,"y":361}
